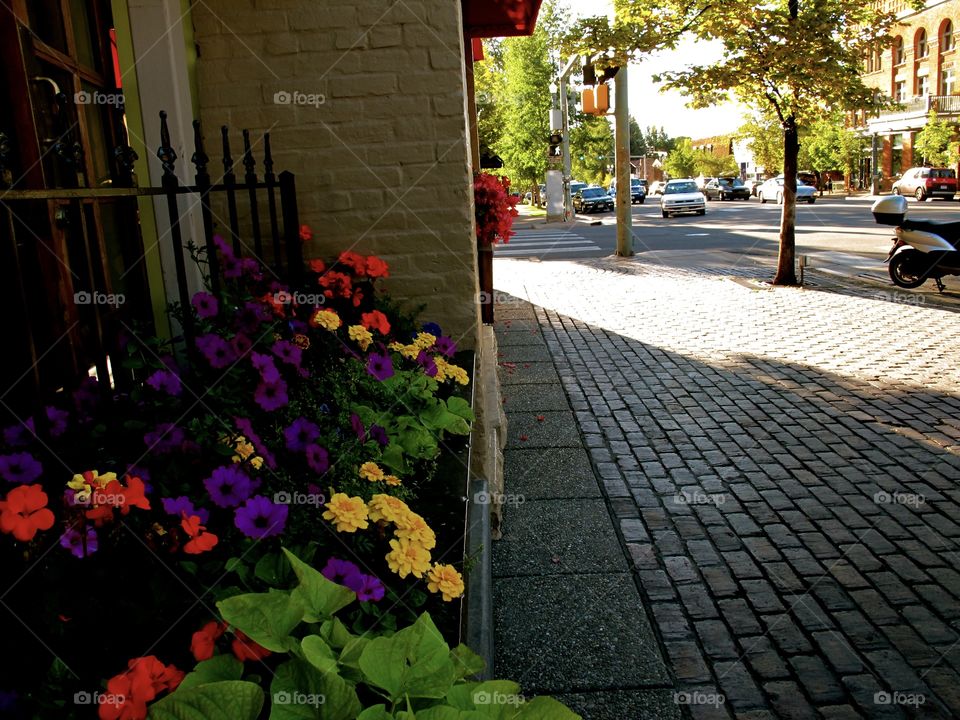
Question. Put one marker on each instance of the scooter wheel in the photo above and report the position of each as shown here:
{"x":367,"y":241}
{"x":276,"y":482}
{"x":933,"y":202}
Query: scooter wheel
{"x":903,"y":269}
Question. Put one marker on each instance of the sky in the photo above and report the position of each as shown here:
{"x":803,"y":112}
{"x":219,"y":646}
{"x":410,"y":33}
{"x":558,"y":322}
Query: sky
{"x":668,"y":109}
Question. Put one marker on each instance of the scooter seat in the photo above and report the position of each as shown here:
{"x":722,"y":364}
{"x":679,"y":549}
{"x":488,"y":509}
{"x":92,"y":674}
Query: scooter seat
{"x":948,"y":230}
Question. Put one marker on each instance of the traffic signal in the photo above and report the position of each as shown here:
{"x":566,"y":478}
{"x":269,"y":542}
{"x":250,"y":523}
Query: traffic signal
{"x":556,"y":140}
{"x":596,"y":101}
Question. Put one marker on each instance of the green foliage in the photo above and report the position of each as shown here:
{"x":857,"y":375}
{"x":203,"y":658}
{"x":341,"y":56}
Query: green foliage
{"x":934,"y":142}
{"x":638,"y":144}
{"x":657,"y":139}
{"x":764,"y":138}
{"x":591,"y":148}
{"x":681,"y":162}
{"x":709,"y":165}
{"x":825,"y":145}
{"x":325,"y":671}
{"x":490,"y":91}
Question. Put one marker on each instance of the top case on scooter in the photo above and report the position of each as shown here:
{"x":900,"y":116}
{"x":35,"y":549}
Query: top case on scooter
{"x":890,"y":210}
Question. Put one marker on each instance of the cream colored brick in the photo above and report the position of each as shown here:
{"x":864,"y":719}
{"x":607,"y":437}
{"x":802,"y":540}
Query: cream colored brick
{"x":389,"y":59}
{"x":410,"y":108}
{"x":382,"y":36}
{"x":419,"y":83}
{"x":372,"y":84}
{"x":450,"y":106}
{"x":347,"y":39}
{"x":446,"y":58}
{"x":323,"y":17}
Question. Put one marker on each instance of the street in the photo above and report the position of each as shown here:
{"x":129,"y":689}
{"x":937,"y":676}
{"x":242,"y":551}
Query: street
{"x":837,"y":234}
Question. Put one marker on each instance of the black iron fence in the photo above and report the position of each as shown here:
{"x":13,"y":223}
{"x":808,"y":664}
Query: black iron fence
{"x":63,"y":250}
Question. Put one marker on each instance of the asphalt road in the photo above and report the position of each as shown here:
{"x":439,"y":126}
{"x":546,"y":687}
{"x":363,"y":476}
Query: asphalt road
{"x":837,"y":234}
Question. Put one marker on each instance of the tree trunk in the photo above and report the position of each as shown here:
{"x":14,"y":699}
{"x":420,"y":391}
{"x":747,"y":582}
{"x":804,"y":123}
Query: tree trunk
{"x":786,"y":262}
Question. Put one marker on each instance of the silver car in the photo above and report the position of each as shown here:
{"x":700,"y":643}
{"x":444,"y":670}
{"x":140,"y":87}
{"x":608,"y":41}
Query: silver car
{"x":772,"y":189}
{"x":682,"y":196}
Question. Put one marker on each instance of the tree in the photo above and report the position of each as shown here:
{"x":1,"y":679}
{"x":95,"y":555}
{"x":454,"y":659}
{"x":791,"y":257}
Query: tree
{"x":638,"y":143}
{"x":792,"y":58}
{"x":680,"y":162}
{"x":526,"y":108}
{"x":490,"y":93}
{"x":708,"y":164}
{"x":658,"y":140}
{"x":934,"y":142}
{"x":822,"y":147}
{"x":591,"y":148}
{"x":764,"y":139}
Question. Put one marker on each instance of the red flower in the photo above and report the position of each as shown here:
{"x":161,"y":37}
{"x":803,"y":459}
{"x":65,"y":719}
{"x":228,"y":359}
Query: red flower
{"x":134,"y":495}
{"x":129,"y":692}
{"x":201,"y":540}
{"x":337,"y":284}
{"x":494,"y":207}
{"x":24,"y":512}
{"x":204,"y":640}
{"x":306,"y":234}
{"x":246,"y":649}
{"x":316,"y":265}
{"x":377,"y":268}
{"x":376,"y":320}
{"x":357,"y":263}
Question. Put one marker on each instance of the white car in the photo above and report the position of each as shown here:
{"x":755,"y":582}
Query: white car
{"x":772,"y":189}
{"x":682,"y":196}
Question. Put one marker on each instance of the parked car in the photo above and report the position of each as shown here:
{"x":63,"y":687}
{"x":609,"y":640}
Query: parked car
{"x":924,"y":182}
{"x":726,"y":188}
{"x":772,"y":189}
{"x":543,"y":195}
{"x":576,"y":186}
{"x":656,"y":187}
{"x":592,"y":199}
{"x":638,"y":193}
{"x":752,"y":185}
{"x":680,"y":196}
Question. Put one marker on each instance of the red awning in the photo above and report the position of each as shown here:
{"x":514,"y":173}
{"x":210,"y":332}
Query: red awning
{"x":499,"y":18}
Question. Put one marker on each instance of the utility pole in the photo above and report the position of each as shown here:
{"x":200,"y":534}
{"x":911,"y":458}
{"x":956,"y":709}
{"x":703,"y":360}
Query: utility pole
{"x":565,"y":110}
{"x":624,"y":189}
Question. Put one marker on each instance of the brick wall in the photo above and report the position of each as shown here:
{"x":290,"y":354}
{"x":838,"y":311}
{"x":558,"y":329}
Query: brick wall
{"x":382,"y":158}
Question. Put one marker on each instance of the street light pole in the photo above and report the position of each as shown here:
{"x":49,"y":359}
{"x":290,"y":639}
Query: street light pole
{"x":624,"y":189}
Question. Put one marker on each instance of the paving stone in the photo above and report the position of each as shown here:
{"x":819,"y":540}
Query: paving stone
{"x":866,"y":692}
{"x":534,"y":398}
{"x":838,"y":651}
{"x":788,"y":701}
{"x":620,"y":704}
{"x":687,"y":661}
{"x":739,"y":617}
{"x":818,"y":681}
{"x":716,"y":639}
{"x":557,"y":429}
{"x":549,"y":473}
{"x":741,"y":691}
{"x":785,"y":634}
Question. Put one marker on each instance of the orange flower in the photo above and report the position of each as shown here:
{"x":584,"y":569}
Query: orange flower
{"x":204,"y":640}
{"x":246,"y":649}
{"x":316,"y":265}
{"x":357,"y":263}
{"x":377,"y":268}
{"x":134,"y":495}
{"x":306,"y":234}
{"x":129,"y":692}
{"x":201,"y":540}
{"x":24,"y":512}
{"x":375,"y":320}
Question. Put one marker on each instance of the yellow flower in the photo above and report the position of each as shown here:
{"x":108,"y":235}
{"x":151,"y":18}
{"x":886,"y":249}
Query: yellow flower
{"x":372,"y":472}
{"x":387,"y":507}
{"x":391,"y":480}
{"x":442,"y":366}
{"x":446,"y":580}
{"x":409,"y":351}
{"x":415,"y":529}
{"x":408,"y":558}
{"x":458,"y":374}
{"x":360,"y":335}
{"x":349,"y":514}
{"x":424,"y":340}
{"x":396,"y":346}
{"x":327,"y":319}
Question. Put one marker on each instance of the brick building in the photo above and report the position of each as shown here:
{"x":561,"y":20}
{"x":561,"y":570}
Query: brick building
{"x":919,"y":69}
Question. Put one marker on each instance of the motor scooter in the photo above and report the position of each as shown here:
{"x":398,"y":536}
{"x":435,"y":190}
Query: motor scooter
{"x":923,"y":249}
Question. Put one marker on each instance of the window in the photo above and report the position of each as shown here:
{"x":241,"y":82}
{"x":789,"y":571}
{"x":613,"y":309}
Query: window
{"x":923,"y":86}
{"x":948,"y":81}
{"x":898,"y":55}
{"x":896,"y":155}
{"x":920,"y":45}
{"x":946,"y":36}
{"x":900,"y":92}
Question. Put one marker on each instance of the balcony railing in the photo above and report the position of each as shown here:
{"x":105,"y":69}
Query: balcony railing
{"x":941,"y":104}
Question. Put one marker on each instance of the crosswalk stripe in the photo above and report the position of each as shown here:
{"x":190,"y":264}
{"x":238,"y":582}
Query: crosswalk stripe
{"x":544,"y":251}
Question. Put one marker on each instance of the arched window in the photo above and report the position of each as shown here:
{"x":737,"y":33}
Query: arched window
{"x":920,"y":45}
{"x":898,"y":55}
{"x":946,"y":36}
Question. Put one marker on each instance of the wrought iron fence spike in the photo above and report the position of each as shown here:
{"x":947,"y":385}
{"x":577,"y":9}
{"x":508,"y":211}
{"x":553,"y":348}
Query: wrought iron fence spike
{"x":166,"y":153}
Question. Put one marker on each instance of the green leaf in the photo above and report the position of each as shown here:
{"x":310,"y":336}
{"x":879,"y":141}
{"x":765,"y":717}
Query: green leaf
{"x":320,"y":597}
{"x":350,"y":655}
{"x":459,"y":406}
{"x":336,"y":633}
{"x":273,"y":570}
{"x":216,"y":669}
{"x":392,"y":457}
{"x":377,"y":712}
{"x":266,"y":618}
{"x":298,"y":691}
{"x":229,"y":700}
{"x":466,"y":661}
{"x":544,"y":708}
{"x":319,"y":654}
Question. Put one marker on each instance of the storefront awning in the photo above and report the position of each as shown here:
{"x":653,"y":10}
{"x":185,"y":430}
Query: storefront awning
{"x":499,"y":18}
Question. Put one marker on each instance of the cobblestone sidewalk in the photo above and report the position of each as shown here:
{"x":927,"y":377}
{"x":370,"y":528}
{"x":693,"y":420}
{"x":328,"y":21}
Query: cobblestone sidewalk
{"x":783,"y":468}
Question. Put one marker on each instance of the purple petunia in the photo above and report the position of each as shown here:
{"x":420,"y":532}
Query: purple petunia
{"x":86,"y":398}
{"x":357,"y":424}
{"x":380,"y":366}
{"x":300,"y":433}
{"x":18,"y":435}
{"x":288,"y":352}
{"x":20,"y":467}
{"x":216,"y":350}
{"x":337,"y":570}
{"x":229,"y":486}
{"x":166,"y":381}
{"x":259,"y":517}
{"x":248,"y":318}
{"x":57,"y":421}
{"x":246,"y":429}
{"x":445,"y":346}
{"x":271,"y":396}
{"x":183,"y":505}
{"x":231,"y":267}
{"x":318,"y":459}
{"x":223,"y":247}
{"x":206,"y":305}
{"x":241,"y":344}
{"x":80,"y":544}
{"x":433,"y":329}
{"x":343,"y":572}
{"x":379,"y":434}
{"x":426,"y":361}
{"x":264,"y":365}
{"x":164,"y":438}
{"x":367,"y":587}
